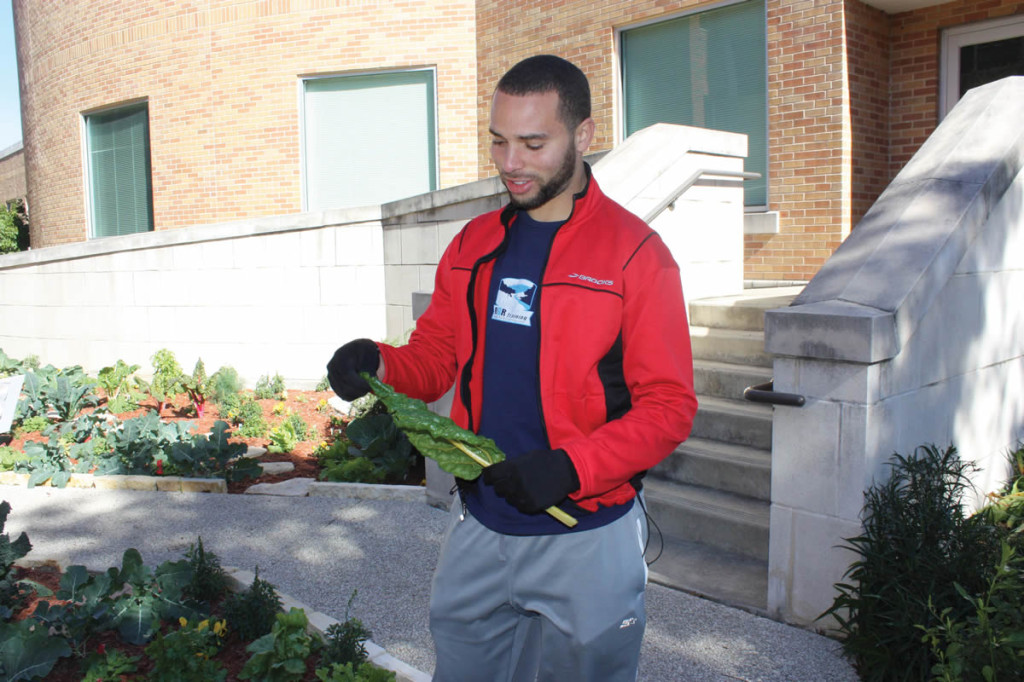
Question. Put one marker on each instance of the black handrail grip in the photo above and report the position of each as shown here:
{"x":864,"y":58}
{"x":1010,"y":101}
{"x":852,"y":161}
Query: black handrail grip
{"x":766,"y":393}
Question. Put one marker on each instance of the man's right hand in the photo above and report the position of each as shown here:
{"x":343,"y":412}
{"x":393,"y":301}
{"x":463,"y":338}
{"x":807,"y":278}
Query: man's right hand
{"x":343,"y":370}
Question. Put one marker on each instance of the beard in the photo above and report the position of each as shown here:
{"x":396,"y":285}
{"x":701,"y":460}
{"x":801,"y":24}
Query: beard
{"x":546,"y":191}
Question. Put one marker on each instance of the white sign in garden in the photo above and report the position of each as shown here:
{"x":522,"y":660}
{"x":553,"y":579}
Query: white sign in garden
{"x":10,"y":389}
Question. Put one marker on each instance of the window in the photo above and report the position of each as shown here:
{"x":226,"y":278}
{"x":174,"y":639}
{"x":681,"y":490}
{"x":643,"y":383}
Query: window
{"x":979,"y":53}
{"x":368,"y":139}
{"x":706,"y":70}
{"x":118,"y":171}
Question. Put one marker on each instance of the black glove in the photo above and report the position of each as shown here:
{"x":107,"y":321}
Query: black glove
{"x":535,"y":481}
{"x":343,"y":370}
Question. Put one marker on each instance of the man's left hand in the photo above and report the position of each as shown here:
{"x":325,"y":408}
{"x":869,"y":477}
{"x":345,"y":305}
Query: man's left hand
{"x":535,"y":481}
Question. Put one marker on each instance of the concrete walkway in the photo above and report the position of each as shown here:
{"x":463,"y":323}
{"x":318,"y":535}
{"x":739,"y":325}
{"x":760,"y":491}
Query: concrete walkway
{"x":321,"y":549}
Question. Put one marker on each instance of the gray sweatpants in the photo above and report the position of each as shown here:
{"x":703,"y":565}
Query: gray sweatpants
{"x":570,"y":608}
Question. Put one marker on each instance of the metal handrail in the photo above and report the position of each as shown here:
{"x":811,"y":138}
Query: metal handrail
{"x":690,"y":181}
{"x":766,"y":393}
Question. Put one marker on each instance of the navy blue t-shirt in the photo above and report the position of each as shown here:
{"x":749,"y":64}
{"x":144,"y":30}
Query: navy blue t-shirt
{"x":511,"y":413}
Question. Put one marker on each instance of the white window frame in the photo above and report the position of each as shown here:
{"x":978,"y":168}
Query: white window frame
{"x":302,"y":80}
{"x":961,"y":36}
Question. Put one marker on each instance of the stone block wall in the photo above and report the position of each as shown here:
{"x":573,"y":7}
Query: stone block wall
{"x":910,"y":335}
{"x":268,"y":296}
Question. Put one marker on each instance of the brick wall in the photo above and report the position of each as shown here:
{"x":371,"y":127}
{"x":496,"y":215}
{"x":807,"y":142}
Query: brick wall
{"x":12,"y":176}
{"x":915,"y":67}
{"x":809,"y":144}
{"x":867,"y":49}
{"x":221,"y":81}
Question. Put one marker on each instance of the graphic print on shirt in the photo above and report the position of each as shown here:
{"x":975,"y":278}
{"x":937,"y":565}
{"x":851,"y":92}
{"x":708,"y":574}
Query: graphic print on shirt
{"x":514,"y":301}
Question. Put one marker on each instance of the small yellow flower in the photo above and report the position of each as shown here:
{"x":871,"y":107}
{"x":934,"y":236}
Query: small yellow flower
{"x":183,"y":621}
{"x":219,"y":628}
{"x":203,"y":624}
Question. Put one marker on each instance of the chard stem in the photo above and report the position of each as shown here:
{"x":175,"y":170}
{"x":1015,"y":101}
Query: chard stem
{"x":555,"y":512}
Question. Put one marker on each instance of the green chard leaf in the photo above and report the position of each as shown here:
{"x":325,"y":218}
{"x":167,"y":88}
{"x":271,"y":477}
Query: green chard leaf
{"x":436,"y":436}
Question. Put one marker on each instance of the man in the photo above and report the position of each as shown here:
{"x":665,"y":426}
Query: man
{"x":560,"y":320}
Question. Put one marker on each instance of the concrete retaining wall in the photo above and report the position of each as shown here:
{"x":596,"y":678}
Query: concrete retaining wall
{"x":912,"y":333}
{"x":278,"y":295}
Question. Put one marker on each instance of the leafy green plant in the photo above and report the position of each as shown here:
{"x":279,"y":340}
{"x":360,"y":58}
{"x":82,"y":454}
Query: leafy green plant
{"x":281,"y":654}
{"x":109,"y":665}
{"x":10,"y":458}
{"x":9,"y":366}
{"x":197,"y":386}
{"x":13,"y":226}
{"x":27,"y":651}
{"x":987,"y":644}
{"x":36,"y":423}
{"x":245,"y":413}
{"x":209,"y":581}
{"x":374,"y":450}
{"x":12,"y":593}
{"x":1006,"y":508}
{"x":345,"y":642}
{"x":70,"y":394}
{"x":212,"y":455}
{"x":47,"y":461}
{"x":349,"y":672}
{"x":286,"y":436}
{"x":167,"y":376}
{"x":225,"y":382}
{"x":137,"y":444}
{"x":121,"y":386}
{"x":186,"y":654}
{"x":251,"y":613}
{"x":323,"y":384}
{"x":917,"y":544}
{"x":267,"y":388}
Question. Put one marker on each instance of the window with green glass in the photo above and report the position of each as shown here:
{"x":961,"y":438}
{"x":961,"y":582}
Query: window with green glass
{"x":368,"y":139}
{"x":705,"y":70}
{"x":120,"y":185}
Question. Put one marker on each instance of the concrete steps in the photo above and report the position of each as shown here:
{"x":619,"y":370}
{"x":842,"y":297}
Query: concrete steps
{"x":711,"y":498}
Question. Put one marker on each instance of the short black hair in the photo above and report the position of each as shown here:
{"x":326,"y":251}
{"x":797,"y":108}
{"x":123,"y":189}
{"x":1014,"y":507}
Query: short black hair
{"x":546,"y":72}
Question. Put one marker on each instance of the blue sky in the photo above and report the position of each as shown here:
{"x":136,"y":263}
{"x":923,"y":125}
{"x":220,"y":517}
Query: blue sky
{"x":10,"y":108}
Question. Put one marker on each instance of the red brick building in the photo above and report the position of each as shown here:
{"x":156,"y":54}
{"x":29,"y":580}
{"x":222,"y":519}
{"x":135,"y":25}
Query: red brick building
{"x":231,"y":110}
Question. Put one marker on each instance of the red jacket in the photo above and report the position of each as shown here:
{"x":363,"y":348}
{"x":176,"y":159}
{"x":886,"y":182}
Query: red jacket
{"x":616,"y":372}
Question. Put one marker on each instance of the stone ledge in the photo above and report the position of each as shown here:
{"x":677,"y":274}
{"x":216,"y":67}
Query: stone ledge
{"x":174,"y":484}
{"x":369,"y":491}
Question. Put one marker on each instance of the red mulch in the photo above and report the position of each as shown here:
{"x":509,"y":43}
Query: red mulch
{"x":304,"y":403}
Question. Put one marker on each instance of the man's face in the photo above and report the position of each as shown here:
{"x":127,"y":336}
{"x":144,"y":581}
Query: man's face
{"x":538,"y":158}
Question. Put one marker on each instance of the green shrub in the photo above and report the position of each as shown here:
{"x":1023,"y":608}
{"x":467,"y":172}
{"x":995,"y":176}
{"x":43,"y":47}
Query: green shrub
{"x":110,"y":665}
{"x":345,"y":642}
{"x":267,"y":388}
{"x":281,"y":654}
{"x":209,"y":581}
{"x":252,"y":612}
{"x":916,"y":547}
{"x":167,"y":377}
{"x":13,"y":227}
{"x":123,"y":389}
{"x":10,"y":458}
{"x":225,"y":383}
{"x":245,"y":413}
{"x":185,"y":654}
{"x":987,"y":644}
